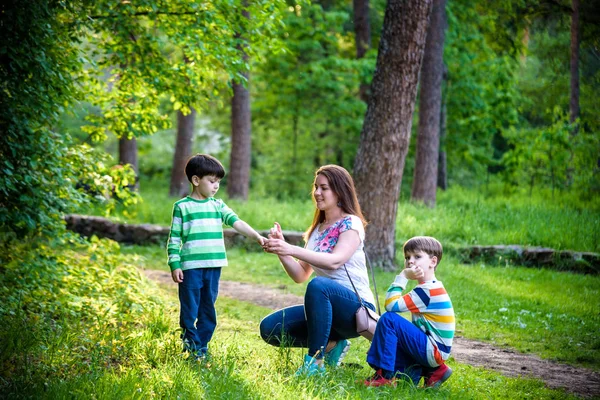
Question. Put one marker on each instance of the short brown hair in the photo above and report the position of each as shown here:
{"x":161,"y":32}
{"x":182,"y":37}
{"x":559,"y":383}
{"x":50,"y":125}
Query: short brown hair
{"x":202,"y":165}
{"x":426,"y":244}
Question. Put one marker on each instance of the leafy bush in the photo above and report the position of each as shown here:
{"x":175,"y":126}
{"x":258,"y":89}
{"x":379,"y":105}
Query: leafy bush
{"x":75,"y":311}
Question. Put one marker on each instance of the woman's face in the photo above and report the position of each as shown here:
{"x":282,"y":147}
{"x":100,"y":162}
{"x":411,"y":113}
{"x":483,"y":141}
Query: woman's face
{"x":324,"y":196}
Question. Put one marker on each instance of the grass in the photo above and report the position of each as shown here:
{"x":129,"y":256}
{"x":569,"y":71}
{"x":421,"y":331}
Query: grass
{"x":462,"y":217}
{"x":244,"y":367}
{"x":136,"y":353}
{"x":548,"y":313}
{"x":124,"y":344}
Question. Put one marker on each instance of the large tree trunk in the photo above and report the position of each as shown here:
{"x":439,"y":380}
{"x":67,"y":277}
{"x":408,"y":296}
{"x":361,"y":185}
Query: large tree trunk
{"x":575,"y":40}
{"x":362,"y":32}
{"x":180,"y":185}
{"x":386,"y":131}
{"x":430,"y":103}
{"x":241,"y":146}
{"x":574,"y":97}
{"x":128,"y":155}
{"x":442,"y":178}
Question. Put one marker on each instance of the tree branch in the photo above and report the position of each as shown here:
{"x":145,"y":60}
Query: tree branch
{"x":145,"y":13}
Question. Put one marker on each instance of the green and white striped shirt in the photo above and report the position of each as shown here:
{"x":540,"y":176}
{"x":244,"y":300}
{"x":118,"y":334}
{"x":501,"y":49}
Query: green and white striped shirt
{"x":196,"y":238}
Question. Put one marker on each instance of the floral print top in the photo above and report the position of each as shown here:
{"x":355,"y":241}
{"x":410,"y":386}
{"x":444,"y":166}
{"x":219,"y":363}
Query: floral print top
{"x":325,"y":241}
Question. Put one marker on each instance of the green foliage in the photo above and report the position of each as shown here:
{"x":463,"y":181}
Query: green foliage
{"x":144,"y":52}
{"x":480,"y":93}
{"x":546,"y":156}
{"x":72,"y":308}
{"x":305,"y":98}
{"x":40,"y":171}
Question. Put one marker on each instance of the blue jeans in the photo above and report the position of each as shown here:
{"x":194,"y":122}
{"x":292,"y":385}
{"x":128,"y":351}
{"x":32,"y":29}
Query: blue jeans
{"x":198,"y":317}
{"x":398,"y":346}
{"x":327,"y":314}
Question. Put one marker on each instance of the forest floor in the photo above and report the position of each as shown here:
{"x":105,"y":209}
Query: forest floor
{"x":577,"y":380}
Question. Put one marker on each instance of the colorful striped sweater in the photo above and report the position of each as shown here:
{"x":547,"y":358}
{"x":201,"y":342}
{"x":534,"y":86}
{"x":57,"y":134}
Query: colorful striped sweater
{"x":196,"y":238}
{"x":431,"y":310}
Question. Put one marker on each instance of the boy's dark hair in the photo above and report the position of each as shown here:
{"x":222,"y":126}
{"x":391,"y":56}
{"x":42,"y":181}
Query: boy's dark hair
{"x":202,"y":165}
{"x":426,"y":244}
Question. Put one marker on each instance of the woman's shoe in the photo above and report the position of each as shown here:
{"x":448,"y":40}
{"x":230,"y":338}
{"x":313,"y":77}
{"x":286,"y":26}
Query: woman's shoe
{"x":336,"y":355}
{"x":310,"y":367}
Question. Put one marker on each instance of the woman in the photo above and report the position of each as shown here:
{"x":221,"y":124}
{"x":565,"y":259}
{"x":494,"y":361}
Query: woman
{"x":335,"y":243}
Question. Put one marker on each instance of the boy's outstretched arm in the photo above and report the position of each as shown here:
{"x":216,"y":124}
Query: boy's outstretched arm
{"x":246,"y":230}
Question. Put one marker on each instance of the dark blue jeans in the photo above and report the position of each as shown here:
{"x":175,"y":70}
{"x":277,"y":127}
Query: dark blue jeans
{"x":327,"y":314}
{"x":198,"y":317}
{"x":398,"y":346}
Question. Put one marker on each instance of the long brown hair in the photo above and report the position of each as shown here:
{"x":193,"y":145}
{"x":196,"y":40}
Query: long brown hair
{"x":342,"y":185}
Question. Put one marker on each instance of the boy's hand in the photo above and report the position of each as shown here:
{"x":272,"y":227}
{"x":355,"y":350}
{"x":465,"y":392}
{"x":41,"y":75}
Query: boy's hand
{"x":177,"y":275}
{"x":262,"y":241}
{"x":415,"y":273}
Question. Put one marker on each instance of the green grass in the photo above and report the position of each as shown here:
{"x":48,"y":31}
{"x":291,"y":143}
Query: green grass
{"x":244,"y":367}
{"x":548,"y":313}
{"x":467,"y":217}
{"x":461,"y":217}
{"x":85,"y":324}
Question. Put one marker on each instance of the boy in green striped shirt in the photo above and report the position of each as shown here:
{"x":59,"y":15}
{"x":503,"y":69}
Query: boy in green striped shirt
{"x":196,"y":250}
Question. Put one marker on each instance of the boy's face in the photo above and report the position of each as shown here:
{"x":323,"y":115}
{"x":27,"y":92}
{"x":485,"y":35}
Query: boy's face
{"x":419,"y":259}
{"x":206,"y":187}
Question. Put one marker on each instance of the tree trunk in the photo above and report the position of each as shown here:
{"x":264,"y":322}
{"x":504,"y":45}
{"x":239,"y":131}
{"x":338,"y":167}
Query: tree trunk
{"x":238,"y":182}
{"x":430,"y":103}
{"x":180,"y":185}
{"x":442,"y":177}
{"x":362,"y":32}
{"x":574,"y":96}
{"x":575,"y":40}
{"x":128,"y":155}
{"x":386,"y":131}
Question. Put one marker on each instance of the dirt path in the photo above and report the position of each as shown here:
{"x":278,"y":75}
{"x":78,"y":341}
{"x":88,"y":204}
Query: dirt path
{"x":580,"y":381}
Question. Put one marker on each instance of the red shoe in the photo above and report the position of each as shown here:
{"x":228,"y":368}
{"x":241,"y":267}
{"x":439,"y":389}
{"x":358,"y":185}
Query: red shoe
{"x":438,"y":376}
{"x":378,"y":380}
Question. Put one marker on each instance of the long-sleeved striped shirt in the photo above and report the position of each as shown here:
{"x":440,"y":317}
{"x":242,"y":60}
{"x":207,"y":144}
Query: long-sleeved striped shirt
{"x":431,"y":311}
{"x":196,"y":238}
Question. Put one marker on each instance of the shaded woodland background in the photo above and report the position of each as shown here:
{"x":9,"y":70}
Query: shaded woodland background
{"x":411,"y":97}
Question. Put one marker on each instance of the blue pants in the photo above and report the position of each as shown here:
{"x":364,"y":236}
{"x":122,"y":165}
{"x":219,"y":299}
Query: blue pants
{"x":398,"y":346}
{"x":327,"y":314}
{"x":198,"y":317}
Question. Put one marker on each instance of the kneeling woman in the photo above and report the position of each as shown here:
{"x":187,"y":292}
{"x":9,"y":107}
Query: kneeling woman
{"x":334,"y":252}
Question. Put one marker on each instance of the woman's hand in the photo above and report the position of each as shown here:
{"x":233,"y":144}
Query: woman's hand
{"x":276,"y":232}
{"x":298,"y":270}
{"x":279,"y":247}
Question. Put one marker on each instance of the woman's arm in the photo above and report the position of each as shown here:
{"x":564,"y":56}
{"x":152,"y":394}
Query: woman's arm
{"x":299,"y":271}
{"x":347,"y":244}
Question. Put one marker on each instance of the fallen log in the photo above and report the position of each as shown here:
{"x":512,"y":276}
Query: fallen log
{"x":87,"y":225}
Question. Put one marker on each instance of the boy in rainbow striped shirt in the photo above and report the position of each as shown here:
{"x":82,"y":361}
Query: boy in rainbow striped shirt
{"x":419,"y":348}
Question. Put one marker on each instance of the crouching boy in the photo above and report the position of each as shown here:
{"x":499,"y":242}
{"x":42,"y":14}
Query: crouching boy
{"x":419,"y":348}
